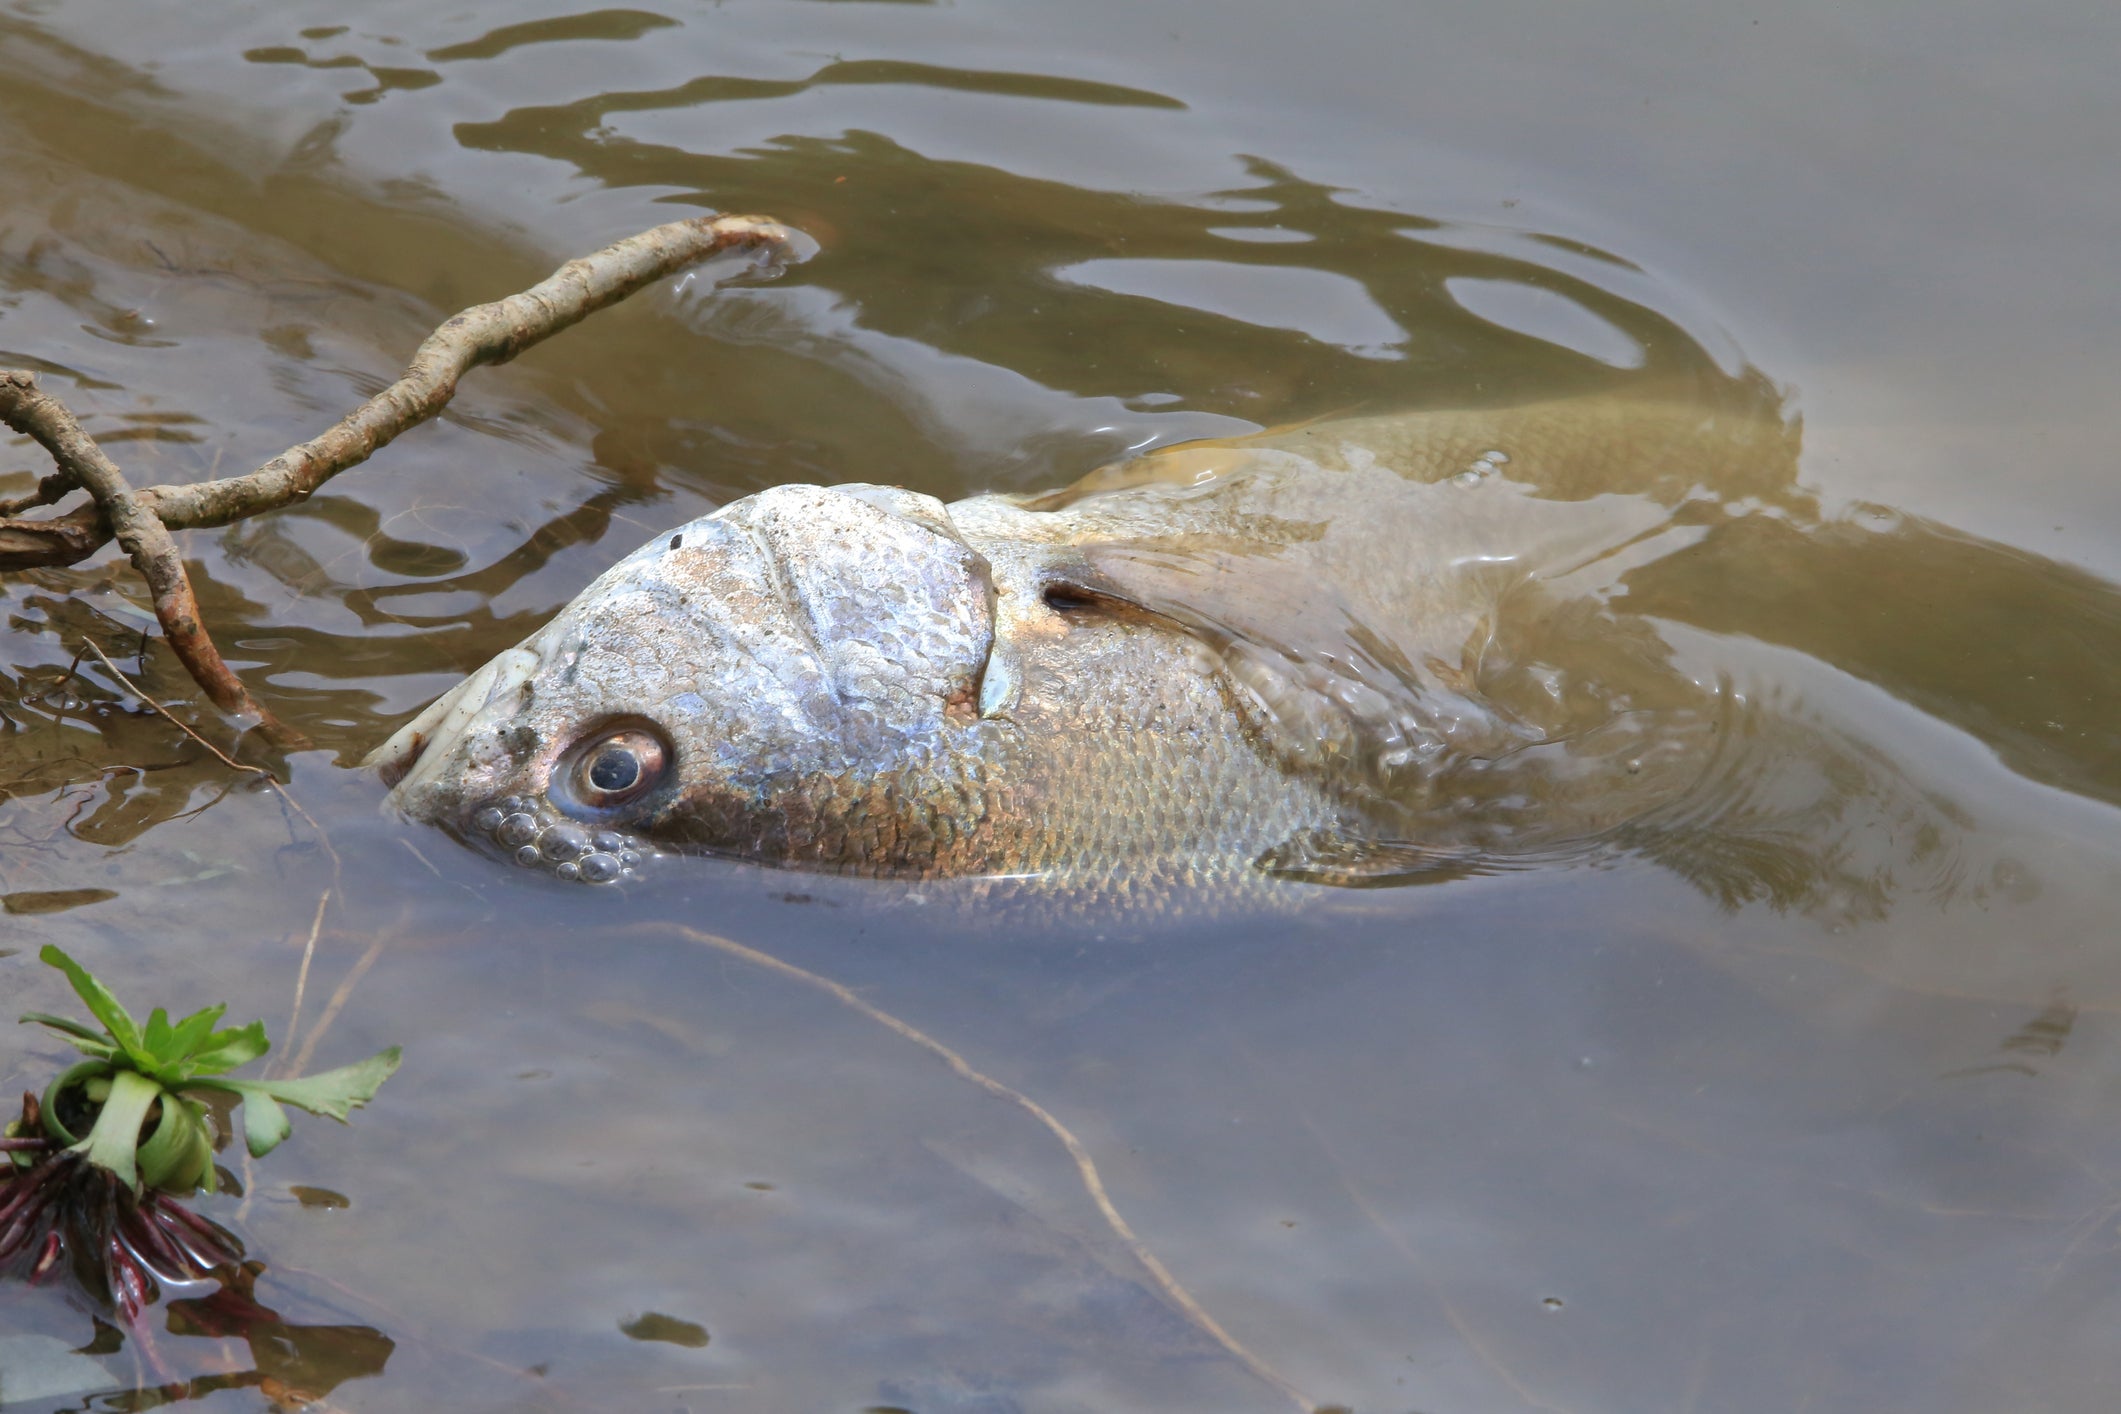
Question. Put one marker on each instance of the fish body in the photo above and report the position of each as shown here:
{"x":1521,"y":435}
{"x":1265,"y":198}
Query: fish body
{"x":1215,"y":662}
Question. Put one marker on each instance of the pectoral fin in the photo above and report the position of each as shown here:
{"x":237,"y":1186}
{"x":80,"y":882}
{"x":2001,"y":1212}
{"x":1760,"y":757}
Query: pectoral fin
{"x":1350,"y":862}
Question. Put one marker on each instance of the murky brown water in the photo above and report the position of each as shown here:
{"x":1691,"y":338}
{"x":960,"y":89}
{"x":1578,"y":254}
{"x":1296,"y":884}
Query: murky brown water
{"x":1827,"y":1119}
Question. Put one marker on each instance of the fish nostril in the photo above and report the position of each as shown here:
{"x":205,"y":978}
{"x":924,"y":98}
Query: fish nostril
{"x":1068,"y":599}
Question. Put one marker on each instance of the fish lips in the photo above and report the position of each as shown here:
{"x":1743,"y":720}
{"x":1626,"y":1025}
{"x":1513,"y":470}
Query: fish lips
{"x":417,"y":753}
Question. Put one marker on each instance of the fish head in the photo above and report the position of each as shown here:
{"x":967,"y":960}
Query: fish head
{"x":796,"y":673}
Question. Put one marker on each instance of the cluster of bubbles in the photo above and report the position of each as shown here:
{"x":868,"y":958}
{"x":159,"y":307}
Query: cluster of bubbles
{"x":538,"y":839}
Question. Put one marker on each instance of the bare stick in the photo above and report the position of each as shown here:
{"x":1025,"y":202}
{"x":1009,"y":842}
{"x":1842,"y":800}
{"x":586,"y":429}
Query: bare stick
{"x":1085,"y":1167}
{"x":486,"y":333}
{"x":141,"y":520}
{"x":145,"y":538}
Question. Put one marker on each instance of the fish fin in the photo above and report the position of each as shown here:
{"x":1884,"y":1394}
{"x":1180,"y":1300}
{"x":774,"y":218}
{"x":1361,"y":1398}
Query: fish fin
{"x":1190,"y":463}
{"x":1353,"y":862}
{"x":1327,"y":691}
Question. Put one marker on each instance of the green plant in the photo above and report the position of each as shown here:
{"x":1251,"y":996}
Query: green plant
{"x":97,"y":1163}
{"x":136,"y":1072}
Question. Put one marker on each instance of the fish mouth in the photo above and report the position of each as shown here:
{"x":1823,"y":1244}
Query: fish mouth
{"x":418,"y":759}
{"x":412,"y":761}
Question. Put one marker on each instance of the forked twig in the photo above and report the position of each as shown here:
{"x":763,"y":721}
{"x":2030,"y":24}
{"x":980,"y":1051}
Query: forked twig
{"x":27,"y":409}
{"x":1085,"y":1167}
{"x":141,"y":520}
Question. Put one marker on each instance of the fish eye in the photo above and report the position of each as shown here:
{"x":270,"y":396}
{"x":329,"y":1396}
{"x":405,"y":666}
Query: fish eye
{"x":616,"y":767}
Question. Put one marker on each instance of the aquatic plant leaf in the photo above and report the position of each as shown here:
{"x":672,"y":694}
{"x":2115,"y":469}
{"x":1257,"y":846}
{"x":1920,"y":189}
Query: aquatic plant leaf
{"x":179,"y":1157}
{"x":101,"y":1005}
{"x":225,"y":1050}
{"x":93,"y":1043}
{"x":333,"y":1094}
{"x":158,"y":1035}
{"x":265,"y":1124}
{"x":192,"y":1032}
{"x":116,"y":1137}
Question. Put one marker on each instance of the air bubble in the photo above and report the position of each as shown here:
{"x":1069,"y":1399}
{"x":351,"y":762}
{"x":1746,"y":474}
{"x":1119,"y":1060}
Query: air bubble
{"x":609,"y":841}
{"x":488,"y":820}
{"x":564,"y":842}
{"x":628,"y":858}
{"x":517,"y":829}
{"x":569,"y":870}
{"x":597,"y":868}
{"x":528,"y":856}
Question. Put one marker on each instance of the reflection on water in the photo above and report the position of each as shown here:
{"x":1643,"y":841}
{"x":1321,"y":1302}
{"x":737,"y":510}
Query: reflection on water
{"x":1796,"y":1091}
{"x":292,"y":1365}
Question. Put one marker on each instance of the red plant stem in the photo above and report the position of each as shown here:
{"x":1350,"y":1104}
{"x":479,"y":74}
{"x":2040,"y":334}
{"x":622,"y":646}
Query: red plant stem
{"x":18,"y":1233}
{"x":28,"y":1185}
{"x":23,"y":1216}
{"x":133,"y":1288}
{"x":207,"y":1249}
{"x":221,"y":1239}
{"x":46,"y":1260}
{"x":147,"y":1238}
{"x":24,"y":1146}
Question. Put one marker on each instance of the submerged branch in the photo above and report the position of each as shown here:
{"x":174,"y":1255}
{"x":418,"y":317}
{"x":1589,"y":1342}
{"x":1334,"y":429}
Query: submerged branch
{"x":141,"y":520}
{"x":1085,"y":1167}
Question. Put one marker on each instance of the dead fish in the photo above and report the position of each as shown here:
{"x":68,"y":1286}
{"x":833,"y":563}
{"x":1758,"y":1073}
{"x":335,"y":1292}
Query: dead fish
{"x":1345,"y":651}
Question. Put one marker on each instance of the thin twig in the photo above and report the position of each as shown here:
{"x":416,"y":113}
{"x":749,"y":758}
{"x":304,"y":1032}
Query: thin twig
{"x":50,"y":490}
{"x":309,"y":1046}
{"x":27,"y":409}
{"x":1460,"y":1326}
{"x":331,"y":1010}
{"x":277,"y":786}
{"x":1085,"y":1167}
{"x":309,"y":951}
{"x":179,"y":723}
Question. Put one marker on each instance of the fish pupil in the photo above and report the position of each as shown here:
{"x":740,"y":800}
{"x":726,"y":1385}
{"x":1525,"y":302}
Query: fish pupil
{"x":614,"y":769}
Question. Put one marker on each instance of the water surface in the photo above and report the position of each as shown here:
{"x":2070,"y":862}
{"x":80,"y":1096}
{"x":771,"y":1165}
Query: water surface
{"x":1829,"y":1122}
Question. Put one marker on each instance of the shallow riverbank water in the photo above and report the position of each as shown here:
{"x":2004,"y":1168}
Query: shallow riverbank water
{"x":1824,"y":1117}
